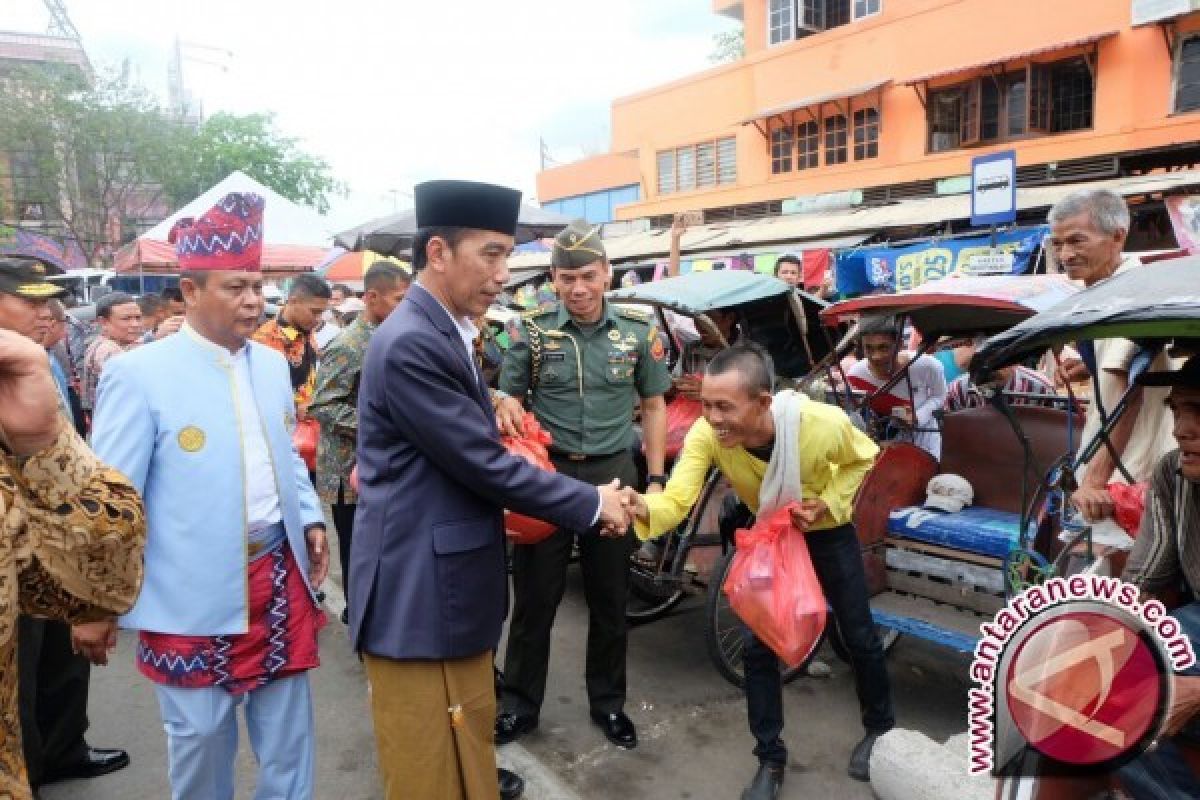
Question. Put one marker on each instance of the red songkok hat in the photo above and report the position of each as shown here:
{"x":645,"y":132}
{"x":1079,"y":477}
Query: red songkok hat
{"x":228,"y":237}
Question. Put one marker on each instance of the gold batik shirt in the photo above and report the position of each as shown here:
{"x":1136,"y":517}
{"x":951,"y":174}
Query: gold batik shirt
{"x":70,"y":549}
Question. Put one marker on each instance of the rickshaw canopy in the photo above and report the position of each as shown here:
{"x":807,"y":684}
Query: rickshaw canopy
{"x":956,"y":305}
{"x":1158,"y":301}
{"x":783,"y":320}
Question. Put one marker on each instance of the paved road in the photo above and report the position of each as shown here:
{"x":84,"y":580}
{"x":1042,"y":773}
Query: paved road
{"x":694,"y":742}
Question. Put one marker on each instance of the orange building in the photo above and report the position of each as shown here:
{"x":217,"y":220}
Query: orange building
{"x":868,"y":101}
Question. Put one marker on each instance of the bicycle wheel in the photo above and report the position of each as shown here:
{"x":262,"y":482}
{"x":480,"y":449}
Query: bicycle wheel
{"x":652,"y":594}
{"x":723,"y":631}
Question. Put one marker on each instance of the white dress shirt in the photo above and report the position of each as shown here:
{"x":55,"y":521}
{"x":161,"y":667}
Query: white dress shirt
{"x":262,"y":493}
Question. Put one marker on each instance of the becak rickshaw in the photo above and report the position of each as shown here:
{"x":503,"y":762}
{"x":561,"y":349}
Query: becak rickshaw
{"x":698,"y":315}
{"x":1157,"y":307}
{"x":937,"y":565}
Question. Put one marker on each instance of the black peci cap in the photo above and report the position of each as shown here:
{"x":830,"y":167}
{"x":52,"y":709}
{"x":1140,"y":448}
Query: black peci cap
{"x":467,"y":204}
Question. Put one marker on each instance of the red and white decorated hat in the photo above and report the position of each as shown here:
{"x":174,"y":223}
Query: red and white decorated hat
{"x":227,"y":237}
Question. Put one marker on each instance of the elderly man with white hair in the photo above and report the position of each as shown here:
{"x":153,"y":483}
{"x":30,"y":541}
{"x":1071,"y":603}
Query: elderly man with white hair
{"x":1087,"y":235}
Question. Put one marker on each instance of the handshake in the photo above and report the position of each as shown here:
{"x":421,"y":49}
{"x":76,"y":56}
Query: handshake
{"x":619,"y":507}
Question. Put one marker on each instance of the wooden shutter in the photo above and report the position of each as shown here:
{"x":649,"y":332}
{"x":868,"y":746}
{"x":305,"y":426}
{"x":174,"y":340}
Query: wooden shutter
{"x":969,"y":123}
{"x":1038,"y":98}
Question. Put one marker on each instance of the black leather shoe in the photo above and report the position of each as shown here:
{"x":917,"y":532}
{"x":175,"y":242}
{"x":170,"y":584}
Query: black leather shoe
{"x":510,"y":727}
{"x":860,"y":759}
{"x":618,"y":728}
{"x":766,"y":784}
{"x":512,"y":785}
{"x":95,"y":762}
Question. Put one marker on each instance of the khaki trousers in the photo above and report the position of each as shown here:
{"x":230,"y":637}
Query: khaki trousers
{"x":434,"y":725}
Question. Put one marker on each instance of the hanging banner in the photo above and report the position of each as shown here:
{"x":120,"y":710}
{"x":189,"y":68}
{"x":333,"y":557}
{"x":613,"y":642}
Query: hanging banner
{"x":893,"y":269}
{"x":1184,"y":211}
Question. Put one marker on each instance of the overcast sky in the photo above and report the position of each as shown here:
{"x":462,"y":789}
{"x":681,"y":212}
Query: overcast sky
{"x":392,"y":92}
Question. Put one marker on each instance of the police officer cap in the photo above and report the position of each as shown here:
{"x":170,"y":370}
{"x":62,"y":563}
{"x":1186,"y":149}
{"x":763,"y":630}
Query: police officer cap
{"x":26,"y":277}
{"x":467,"y":204}
{"x":577,"y":246}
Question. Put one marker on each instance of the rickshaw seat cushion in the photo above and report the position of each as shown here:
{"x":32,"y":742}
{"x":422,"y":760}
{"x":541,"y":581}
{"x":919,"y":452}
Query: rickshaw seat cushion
{"x":981,"y":531}
{"x":980,"y":445}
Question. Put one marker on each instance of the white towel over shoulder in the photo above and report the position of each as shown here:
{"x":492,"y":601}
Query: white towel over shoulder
{"x":782,"y":481}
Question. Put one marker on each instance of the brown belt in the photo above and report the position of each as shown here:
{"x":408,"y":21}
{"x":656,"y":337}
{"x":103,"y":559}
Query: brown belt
{"x":585,"y":456}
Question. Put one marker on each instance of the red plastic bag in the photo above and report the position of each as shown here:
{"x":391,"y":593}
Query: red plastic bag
{"x":773,"y":588}
{"x":304,"y":439}
{"x":532,"y":447}
{"x":1129,"y":503}
{"x":682,"y":413}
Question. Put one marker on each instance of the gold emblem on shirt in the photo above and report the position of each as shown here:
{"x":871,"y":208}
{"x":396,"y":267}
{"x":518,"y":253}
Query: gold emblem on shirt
{"x":614,"y":335}
{"x":191,"y":439}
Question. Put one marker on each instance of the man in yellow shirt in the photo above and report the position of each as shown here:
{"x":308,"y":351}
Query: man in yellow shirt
{"x":737,"y":435}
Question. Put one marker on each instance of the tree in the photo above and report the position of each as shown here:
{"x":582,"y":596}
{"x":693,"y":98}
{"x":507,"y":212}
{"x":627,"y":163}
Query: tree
{"x":86,"y":152}
{"x":227,"y":142}
{"x":728,"y":46}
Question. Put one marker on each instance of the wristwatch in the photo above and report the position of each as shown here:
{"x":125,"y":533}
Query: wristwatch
{"x":661,"y":480}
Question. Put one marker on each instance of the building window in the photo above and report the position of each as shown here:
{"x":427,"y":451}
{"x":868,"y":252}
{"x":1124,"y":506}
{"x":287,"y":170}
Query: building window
{"x":1072,"y":91}
{"x":727,"y":161}
{"x":945,"y":111}
{"x":781,"y":150}
{"x":835,"y":140}
{"x":866,"y":133}
{"x":1187,"y":76}
{"x":789,"y":19}
{"x":697,"y":166}
{"x":685,"y":169}
{"x":865,"y":8}
{"x":666,"y":171}
{"x":808,"y":145}
{"x":781,"y":21}
{"x":1040,"y":99}
{"x":706,"y":164}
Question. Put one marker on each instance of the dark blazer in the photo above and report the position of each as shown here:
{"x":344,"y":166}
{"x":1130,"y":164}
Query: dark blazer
{"x":428,"y":549}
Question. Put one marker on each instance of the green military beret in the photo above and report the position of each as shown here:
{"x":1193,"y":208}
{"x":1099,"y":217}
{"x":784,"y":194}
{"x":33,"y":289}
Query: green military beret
{"x":577,"y":246}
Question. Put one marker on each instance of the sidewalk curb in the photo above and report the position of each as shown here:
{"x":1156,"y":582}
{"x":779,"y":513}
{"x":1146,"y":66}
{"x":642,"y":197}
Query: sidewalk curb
{"x":540,"y":781}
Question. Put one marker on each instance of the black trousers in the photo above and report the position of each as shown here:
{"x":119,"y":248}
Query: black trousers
{"x":539,"y":579}
{"x":52,"y":693}
{"x":837,"y":560}
{"x":343,"y":521}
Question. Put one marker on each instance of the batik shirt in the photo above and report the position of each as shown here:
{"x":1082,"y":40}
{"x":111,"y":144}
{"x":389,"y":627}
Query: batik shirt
{"x":300,"y":351}
{"x":72,"y":532}
{"x":335,"y":406}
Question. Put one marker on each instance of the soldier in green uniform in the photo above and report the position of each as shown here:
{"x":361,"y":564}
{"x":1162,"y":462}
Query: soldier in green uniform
{"x":581,"y":365}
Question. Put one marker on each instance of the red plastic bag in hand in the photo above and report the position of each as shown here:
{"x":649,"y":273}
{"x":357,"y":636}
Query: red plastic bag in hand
{"x":304,"y":439}
{"x":1129,"y":503}
{"x":532,"y":447}
{"x":773,"y":588}
{"x":682,"y":413}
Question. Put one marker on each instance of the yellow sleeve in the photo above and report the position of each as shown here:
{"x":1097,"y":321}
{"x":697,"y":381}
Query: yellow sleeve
{"x":849,"y":454}
{"x":672,"y":504}
{"x":79,"y":533}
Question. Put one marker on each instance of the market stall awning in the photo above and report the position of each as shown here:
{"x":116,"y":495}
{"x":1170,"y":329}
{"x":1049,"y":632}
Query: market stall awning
{"x":1004,"y":58}
{"x":816,"y":100}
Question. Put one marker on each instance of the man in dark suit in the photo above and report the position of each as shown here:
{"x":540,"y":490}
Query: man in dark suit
{"x":430,"y":591}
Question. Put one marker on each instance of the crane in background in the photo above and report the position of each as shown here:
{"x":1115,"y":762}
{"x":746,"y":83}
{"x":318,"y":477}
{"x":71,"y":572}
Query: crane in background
{"x":60,"y":22}
{"x":183,"y":103}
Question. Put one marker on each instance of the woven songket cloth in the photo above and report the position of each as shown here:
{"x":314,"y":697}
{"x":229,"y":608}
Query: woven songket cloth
{"x":228,"y":237}
{"x":281,"y":639}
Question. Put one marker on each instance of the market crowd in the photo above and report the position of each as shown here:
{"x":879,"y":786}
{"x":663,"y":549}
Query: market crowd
{"x":219,"y":436}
